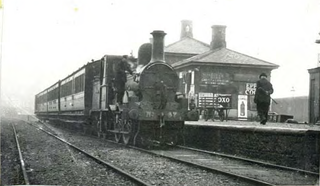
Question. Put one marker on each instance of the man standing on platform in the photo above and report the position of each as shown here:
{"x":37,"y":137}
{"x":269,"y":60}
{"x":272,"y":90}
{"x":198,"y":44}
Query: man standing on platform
{"x":262,"y":97}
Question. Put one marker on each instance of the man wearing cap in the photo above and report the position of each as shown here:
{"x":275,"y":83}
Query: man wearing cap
{"x":262,"y":97}
{"x":121,"y":77}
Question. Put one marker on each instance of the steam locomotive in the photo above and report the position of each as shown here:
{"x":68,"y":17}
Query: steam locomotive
{"x":151,"y":110}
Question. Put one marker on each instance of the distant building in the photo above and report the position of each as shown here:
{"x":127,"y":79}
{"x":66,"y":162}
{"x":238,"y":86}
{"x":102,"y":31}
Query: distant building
{"x":294,"y":106}
{"x":213,"y":70}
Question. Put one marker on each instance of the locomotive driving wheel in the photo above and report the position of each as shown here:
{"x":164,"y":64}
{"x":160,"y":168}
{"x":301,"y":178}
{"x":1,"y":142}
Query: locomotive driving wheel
{"x":127,"y":129}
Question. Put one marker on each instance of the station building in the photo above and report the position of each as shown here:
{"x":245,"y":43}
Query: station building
{"x":215,"y":74}
{"x":314,"y":92}
{"x":314,"y":95}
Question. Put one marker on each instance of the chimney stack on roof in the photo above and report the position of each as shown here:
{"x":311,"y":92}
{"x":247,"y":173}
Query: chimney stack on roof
{"x":186,"y":29}
{"x":218,"y":37}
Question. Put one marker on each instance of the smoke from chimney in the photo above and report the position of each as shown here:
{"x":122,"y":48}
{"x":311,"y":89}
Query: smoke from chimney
{"x":157,"y":46}
{"x":218,"y":37}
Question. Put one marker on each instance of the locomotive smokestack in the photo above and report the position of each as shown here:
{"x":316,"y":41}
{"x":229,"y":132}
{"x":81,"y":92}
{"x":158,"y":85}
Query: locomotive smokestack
{"x":157,"y":46}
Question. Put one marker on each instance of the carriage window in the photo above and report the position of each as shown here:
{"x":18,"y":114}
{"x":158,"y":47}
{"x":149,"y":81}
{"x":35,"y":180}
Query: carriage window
{"x":79,"y":83}
{"x":66,"y":89}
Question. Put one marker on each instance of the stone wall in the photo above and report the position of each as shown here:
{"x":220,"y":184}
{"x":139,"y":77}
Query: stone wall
{"x":300,"y":150}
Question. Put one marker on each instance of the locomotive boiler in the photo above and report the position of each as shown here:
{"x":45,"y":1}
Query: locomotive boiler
{"x":150,"y":110}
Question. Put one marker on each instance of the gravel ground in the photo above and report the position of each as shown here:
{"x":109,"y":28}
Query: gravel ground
{"x":154,"y":170}
{"x":10,"y":167}
{"x":50,"y":162}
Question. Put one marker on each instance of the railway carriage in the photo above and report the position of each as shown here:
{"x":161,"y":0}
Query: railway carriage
{"x":52,"y":98}
{"x":41,"y":103}
{"x":68,"y":99}
{"x":151,"y":109}
{"x":76,"y":91}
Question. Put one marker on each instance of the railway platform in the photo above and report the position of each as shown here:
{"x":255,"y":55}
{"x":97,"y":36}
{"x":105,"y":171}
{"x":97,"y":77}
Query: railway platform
{"x":256,"y":126}
{"x":287,"y":144}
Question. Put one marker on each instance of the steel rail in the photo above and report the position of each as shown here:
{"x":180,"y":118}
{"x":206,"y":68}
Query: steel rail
{"x":244,"y":178}
{"x":250,"y":160}
{"x":247,"y":179}
{"x":98,"y":160}
{"x":23,"y":165}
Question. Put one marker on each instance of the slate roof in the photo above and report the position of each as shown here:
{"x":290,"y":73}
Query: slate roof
{"x":223,"y":56}
{"x":187,"y":45}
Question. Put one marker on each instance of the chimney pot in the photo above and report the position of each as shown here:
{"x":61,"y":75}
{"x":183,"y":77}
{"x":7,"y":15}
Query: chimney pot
{"x":218,"y":37}
{"x":186,"y":29}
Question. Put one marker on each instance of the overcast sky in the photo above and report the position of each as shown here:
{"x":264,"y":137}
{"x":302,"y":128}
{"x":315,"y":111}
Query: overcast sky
{"x":45,"y":40}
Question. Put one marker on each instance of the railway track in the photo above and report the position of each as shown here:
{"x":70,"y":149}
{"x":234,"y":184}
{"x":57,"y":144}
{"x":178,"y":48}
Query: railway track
{"x":98,"y":160}
{"x":265,"y":164}
{"x":157,"y":176}
{"x":246,"y":170}
{"x":22,"y":162}
{"x":243,"y":170}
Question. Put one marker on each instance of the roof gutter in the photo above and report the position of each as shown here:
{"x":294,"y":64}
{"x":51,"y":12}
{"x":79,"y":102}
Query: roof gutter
{"x":224,"y":64}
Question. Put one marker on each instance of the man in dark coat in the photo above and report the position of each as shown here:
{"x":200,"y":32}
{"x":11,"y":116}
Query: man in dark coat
{"x":121,"y":77}
{"x":262,"y":97}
